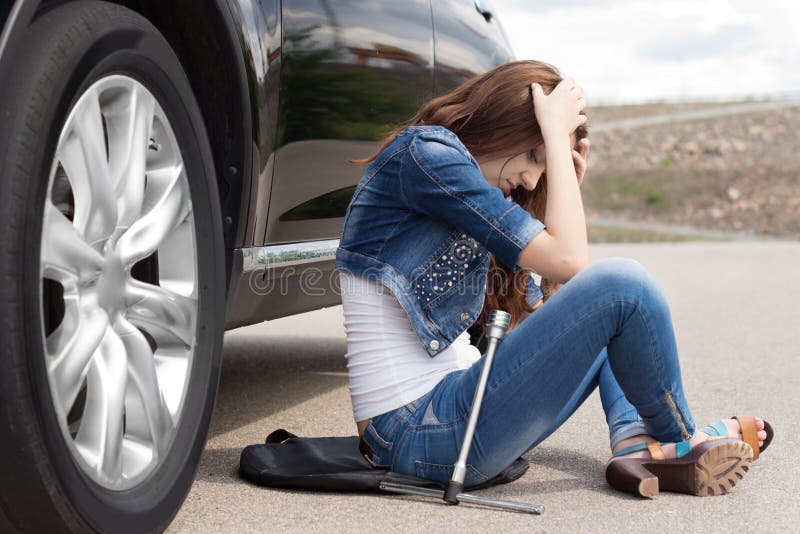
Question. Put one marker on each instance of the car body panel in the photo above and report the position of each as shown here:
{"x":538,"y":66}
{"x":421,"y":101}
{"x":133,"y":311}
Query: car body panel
{"x":466,"y":42}
{"x":319,"y":82}
{"x":351,"y":71}
{"x":258,"y":31}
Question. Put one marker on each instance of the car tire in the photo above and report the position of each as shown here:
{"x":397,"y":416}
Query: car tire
{"x":94,"y":273}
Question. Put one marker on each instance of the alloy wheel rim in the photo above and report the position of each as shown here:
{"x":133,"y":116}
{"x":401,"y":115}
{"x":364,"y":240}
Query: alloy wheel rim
{"x":118,"y":283}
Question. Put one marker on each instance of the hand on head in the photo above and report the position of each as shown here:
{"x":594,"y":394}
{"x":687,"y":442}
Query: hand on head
{"x":559,"y":113}
{"x":579,"y":154}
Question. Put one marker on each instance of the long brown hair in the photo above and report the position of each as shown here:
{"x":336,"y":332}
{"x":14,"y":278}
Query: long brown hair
{"x":492,"y":114}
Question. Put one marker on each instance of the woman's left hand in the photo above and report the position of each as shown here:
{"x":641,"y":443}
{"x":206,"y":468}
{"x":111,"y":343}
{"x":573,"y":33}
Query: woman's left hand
{"x":579,"y":158}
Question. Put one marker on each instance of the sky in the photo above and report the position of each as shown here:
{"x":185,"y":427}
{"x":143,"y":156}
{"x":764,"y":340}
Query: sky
{"x":638,"y":51}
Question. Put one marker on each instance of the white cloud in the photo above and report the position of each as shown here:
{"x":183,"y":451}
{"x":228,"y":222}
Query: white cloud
{"x":632,"y":50}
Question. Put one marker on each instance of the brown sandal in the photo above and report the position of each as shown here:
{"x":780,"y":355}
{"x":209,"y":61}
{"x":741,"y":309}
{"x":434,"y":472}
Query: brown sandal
{"x":747,"y":423}
{"x":713,"y":467}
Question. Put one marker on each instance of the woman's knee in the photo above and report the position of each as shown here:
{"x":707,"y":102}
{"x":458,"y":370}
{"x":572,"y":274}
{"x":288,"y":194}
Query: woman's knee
{"x":623,"y":277}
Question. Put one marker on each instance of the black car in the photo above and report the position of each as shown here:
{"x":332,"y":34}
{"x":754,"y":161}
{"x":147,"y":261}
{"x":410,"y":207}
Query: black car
{"x":172,"y":169}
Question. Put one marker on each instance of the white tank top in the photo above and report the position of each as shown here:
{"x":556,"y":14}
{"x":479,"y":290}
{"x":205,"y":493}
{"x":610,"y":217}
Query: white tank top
{"x":386,"y":362}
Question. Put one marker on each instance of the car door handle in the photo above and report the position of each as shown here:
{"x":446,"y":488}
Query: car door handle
{"x":487,"y":15}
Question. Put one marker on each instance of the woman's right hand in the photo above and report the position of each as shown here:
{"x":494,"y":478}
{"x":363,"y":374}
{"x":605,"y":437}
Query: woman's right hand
{"x":559,"y":113}
{"x":560,"y":251}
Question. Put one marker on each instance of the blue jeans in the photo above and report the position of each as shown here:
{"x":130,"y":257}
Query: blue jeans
{"x":608,"y":327}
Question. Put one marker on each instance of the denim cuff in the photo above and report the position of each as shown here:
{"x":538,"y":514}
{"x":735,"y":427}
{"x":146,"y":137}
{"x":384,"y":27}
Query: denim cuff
{"x":627,"y":431}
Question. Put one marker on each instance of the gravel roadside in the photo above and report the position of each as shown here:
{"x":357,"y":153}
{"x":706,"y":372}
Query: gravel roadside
{"x":736,"y":173}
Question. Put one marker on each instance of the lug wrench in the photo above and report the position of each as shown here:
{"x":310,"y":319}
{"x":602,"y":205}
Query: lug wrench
{"x":496,"y":328}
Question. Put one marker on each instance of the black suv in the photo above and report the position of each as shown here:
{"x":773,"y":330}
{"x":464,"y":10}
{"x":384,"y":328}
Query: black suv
{"x":170,"y":169}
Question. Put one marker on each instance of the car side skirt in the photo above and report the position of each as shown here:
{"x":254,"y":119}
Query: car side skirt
{"x":279,"y":280}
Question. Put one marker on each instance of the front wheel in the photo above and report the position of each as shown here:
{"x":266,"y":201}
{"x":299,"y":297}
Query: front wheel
{"x":112,"y":262}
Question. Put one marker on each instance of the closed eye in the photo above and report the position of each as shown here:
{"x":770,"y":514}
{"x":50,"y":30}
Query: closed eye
{"x":532,"y":155}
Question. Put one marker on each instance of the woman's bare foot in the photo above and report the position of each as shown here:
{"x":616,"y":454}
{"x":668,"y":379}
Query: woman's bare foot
{"x":734,"y":430}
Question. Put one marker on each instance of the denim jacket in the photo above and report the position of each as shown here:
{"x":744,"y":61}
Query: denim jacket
{"x":423,"y":221}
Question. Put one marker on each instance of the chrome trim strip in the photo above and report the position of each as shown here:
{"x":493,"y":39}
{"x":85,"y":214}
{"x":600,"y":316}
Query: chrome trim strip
{"x":12,"y":18}
{"x":261,"y":258}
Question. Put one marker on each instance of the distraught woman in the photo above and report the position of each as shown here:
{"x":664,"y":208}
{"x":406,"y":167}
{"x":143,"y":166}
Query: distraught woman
{"x":461,"y":187}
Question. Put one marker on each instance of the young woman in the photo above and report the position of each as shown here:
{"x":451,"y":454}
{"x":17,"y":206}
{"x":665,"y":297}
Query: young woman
{"x":458,"y":188}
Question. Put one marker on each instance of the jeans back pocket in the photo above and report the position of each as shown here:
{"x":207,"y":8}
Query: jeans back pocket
{"x":441,"y":473}
{"x":380,"y":441}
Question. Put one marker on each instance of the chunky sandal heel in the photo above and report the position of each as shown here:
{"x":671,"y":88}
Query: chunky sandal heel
{"x":631,"y":476}
{"x":713,"y":467}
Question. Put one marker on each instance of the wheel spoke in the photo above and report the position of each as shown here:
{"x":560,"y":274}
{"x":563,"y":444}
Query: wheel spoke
{"x":82,"y":153}
{"x":152,"y":306}
{"x":73,"y":353}
{"x":141,"y":368}
{"x":129,"y":128}
{"x":100,"y":434}
{"x":65,"y":251}
{"x":58,"y":340}
{"x":148,"y":233}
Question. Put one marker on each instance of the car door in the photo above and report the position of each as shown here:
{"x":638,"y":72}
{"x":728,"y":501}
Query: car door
{"x":469,"y":41}
{"x":351,"y":70}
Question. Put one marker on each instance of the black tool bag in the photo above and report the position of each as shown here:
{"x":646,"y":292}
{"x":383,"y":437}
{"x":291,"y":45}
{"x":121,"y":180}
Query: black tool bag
{"x":334,"y":464}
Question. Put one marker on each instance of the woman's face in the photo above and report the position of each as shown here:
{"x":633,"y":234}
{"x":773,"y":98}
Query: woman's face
{"x":522,"y":170}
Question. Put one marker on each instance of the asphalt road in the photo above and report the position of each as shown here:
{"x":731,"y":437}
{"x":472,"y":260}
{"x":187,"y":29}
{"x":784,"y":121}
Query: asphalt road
{"x":737,"y":320}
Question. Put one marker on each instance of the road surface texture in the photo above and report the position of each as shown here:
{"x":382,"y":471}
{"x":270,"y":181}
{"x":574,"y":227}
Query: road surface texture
{"x":737,"y":320}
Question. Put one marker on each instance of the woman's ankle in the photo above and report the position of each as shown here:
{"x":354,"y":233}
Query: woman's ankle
{"x":669,"y":449}
{"x":633,"y":440}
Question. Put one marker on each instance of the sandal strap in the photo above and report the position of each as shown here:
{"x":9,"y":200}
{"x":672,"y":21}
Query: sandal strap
{"x":633,"y":448}
{"x":749,"y":432}
{"x":682,"y":448}
{"x":716,"y":428}
{"x":656,"y":452}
